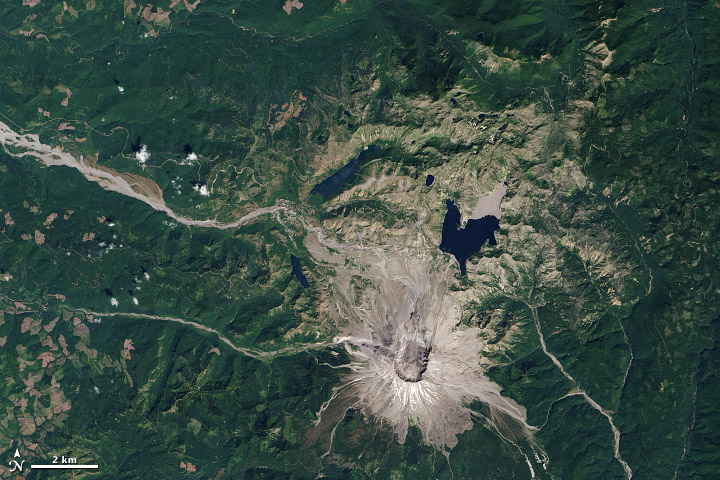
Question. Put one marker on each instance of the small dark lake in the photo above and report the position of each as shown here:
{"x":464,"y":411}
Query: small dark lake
{"x":328,"y":186}
{"x":463,"y":243}
{"x":429,"y":180}
{"x":297,"y":271}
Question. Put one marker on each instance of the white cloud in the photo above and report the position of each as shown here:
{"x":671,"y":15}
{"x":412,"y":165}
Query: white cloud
{"x":97,"y":390}
{"x":135,"y":301}
{"x":147,"y":275}
{"x":121,"y":89}
{"x":143,"y":155}
{"x":114,"y":302}
{"x":202,"y":189}
{"x":189,"y":159}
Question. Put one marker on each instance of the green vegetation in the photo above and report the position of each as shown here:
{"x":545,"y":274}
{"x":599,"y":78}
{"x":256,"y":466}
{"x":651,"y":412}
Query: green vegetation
{"x":605,"y":127}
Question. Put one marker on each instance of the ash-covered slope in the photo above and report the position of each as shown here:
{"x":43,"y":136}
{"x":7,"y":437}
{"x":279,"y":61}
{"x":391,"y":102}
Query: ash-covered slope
{"x":413,"y":362}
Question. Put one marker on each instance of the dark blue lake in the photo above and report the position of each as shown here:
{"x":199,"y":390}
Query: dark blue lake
{"x":328,"y":186}
{"x":463,"y":243}
{"x":429,"y":180}
{"x":297,"y":271}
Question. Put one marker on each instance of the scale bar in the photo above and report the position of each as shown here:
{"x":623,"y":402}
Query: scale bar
{"x":62,"y":466}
